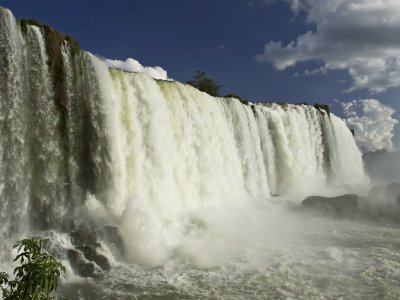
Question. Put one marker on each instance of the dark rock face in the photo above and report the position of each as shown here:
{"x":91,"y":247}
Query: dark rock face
{"x":381,"y":204}
{"x":78,"y":132}
{"x":85,"y":257}
{"x":322,"y":107}
{"x":80,"y":266}
{"x":91,"y":254}
{"x":340,"y":206}
{"x":84,"y":235}
{"x":87,"y":270}
{"x":102,"y":262}
{"x":112,"y":236}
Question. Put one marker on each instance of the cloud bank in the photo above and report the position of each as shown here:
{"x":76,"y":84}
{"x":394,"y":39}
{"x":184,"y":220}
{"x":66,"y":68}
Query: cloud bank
{"x":372,"y":122}
{"x":360,"y":36}
{"x":132,"y":65}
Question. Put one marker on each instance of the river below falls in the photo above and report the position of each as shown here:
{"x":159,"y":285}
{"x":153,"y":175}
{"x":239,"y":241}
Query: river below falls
{"x":333,"y":259}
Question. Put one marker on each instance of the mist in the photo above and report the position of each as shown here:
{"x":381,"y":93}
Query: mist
{"x":153,"y":189}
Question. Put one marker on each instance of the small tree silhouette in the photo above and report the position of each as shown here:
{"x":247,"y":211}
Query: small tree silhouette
{"x":203,"y":83}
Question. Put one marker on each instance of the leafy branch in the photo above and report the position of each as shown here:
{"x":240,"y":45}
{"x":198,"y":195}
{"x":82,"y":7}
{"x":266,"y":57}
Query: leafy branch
{"x":37,"y":276}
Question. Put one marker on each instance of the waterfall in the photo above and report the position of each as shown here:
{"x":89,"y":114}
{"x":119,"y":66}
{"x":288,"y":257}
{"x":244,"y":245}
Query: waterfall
{"x":156,"y":155}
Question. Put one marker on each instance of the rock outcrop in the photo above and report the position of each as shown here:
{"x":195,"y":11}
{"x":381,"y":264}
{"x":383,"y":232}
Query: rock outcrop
{"x":340,"y":206}
{"x":79,"y":264}
{"x":86,"y":258}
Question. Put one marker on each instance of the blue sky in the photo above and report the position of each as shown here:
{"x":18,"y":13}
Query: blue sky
{"x":225,"y":37}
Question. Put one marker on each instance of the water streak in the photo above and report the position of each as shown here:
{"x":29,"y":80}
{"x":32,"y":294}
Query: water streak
{"x":158,"y":156}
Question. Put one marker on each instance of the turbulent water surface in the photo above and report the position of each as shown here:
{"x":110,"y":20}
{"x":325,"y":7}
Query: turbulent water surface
{"x":331,"y":260}
{"x":203,"y":190}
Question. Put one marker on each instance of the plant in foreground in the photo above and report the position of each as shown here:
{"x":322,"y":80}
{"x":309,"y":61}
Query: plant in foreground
{"x":37,"y":276}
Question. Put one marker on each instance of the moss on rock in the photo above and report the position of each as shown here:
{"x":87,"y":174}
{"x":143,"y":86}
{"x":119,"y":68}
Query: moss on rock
{"x":232,"y":95}
{"x":74,"y":45}
{"x":24,"y":23}
{"x":322,"y":107}
{"x":284,"y":106}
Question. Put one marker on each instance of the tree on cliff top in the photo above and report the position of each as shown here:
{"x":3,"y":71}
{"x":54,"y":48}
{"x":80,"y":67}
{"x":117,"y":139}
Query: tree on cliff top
{"x":203,"y":83}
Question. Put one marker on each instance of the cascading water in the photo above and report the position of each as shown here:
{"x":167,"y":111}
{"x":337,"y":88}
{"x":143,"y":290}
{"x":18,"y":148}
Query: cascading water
{"x":51,"y":123}
{"x":153,"y":153}
{"x":185,"y":176}
{"x":176,"y":151}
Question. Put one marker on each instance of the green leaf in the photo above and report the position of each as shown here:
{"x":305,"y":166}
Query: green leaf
{"x":37,"y":276}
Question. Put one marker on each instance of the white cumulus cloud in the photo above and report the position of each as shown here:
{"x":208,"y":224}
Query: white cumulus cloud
{"x":360,"y":36}
{"x":132,"y":65}
{"x":372,"y":122}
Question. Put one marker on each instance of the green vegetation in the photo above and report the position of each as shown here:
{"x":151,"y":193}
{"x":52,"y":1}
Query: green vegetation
{"x":245,"y":102}
{"x":25,"y":22}
{"x":37,"y":276}
{"x":203,"y":83}
{"x":232,"y":95}
{"x":285,"y":106}
{"x":321,"y":107}
{"x":74,"y":45}
{"x":54,"y":41}
{"x":253,"y":108}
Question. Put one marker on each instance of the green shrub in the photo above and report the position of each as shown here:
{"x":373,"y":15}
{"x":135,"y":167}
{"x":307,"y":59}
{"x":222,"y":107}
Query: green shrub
{"x":285,"y":106}
{"x":232,"y":95}
{"x":74,"y":45}
{"x":53,"y":36}
{"x":37,"y":276}
{"x":322,"y":107}
{"x":25,"y":22}
{"x":203,"y":83}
